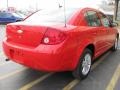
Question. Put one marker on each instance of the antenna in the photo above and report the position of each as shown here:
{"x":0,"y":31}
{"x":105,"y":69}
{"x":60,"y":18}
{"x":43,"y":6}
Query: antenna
{"x":65,"y":13}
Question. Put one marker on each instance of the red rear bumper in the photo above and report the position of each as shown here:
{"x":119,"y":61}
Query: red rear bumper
{"x":41,"y":58}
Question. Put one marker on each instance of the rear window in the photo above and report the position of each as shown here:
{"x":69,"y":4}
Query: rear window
{"x":51,"y":15}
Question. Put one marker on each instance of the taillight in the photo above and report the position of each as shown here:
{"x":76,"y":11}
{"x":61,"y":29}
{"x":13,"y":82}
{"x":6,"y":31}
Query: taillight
{"x":53,"y":37}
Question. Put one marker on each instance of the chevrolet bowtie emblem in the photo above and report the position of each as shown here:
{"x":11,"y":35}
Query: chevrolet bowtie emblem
{"x":20,"y":31}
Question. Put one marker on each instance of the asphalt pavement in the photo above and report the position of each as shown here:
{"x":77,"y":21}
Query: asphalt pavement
{"x":105,"y":75}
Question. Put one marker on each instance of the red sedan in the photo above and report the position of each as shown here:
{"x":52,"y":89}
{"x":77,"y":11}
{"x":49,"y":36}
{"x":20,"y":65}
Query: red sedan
{"x":44,"y":42}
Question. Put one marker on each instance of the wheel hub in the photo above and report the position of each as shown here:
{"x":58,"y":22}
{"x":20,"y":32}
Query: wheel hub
{"x":86,"y":64}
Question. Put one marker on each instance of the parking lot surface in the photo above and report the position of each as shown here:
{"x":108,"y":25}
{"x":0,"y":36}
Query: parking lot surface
{"x":105,"y":75}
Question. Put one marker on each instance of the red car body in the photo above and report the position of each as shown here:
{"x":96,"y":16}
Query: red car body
{"x":50,"y":46}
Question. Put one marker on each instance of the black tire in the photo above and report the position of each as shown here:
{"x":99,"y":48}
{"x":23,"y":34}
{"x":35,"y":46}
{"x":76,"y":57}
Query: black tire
{"x":77,"y":73}
{"x":114,"y":48}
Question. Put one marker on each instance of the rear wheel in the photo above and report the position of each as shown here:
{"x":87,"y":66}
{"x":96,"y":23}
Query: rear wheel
{"x":84,"y":66}
{"x":115,"y":46}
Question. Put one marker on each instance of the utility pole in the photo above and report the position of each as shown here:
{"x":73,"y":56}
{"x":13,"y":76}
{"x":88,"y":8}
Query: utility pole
{"x":7,"y":5}
{"x":116,"y":8}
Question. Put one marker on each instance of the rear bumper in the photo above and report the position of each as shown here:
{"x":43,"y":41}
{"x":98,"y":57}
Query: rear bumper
{"x":40,"y":58}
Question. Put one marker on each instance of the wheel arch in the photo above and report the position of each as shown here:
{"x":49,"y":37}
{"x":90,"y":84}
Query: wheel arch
{"x":90,"y":46}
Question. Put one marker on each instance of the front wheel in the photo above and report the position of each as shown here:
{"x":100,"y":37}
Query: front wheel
{"x":115,"y":46}
{"x":84,"y":66}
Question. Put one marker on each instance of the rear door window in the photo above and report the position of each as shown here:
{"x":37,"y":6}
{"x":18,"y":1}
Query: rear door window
{"x":92,"y":18}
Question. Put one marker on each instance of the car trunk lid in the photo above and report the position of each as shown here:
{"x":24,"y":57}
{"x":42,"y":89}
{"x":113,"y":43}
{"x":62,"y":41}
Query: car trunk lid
{"x":25,"y":34}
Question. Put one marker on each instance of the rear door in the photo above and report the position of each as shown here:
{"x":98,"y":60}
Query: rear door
{"x":96,"y":31}
{"x":110,"y":35}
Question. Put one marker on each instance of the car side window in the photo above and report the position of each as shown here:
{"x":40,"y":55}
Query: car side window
{"x":8,"y":15}
{"x":92,"y":18}
{"x":5,"y":15}
{"x":2,"y":14}
{"x":105,"y":21}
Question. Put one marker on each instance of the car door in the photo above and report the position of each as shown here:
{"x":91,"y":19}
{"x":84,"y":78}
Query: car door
{"x":95,"y":26}
{"x":110,"y":36}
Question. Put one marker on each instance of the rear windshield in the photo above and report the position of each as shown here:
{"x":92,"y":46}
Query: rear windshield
{"x":51,"y":15}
